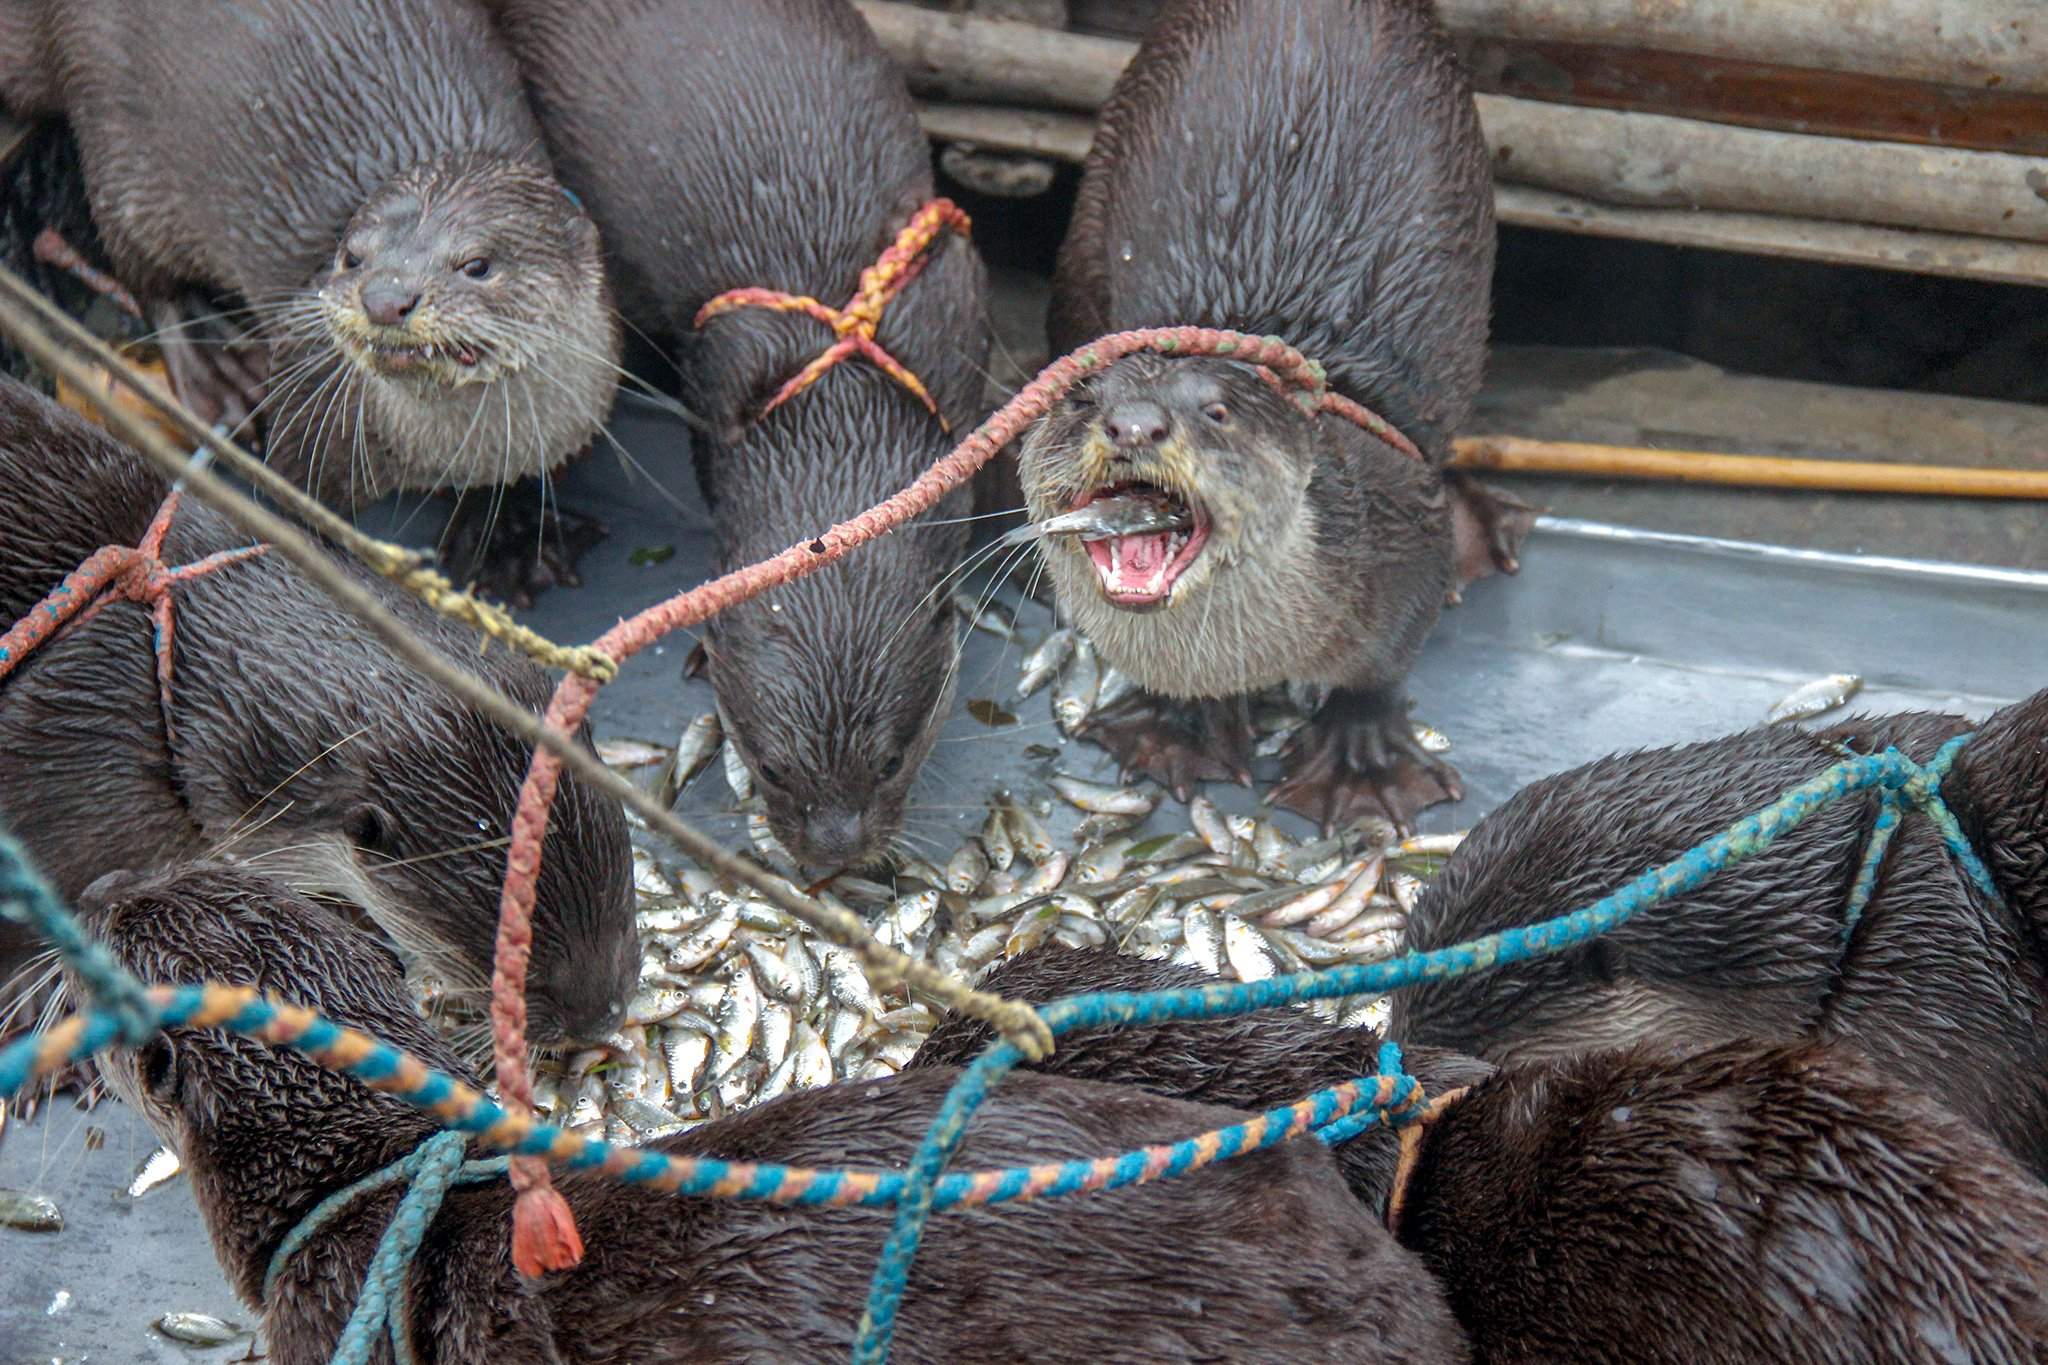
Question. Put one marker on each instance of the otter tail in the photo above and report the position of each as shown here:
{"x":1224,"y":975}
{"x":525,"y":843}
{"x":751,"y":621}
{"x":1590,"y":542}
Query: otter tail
{"x":1999,"y":791}
{"x":42,"y":187}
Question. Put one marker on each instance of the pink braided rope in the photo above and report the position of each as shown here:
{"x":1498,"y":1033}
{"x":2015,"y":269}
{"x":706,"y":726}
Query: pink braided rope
{"x":536,"y":1245}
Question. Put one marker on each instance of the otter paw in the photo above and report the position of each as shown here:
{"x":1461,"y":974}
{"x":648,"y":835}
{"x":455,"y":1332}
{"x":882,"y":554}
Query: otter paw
{"x":1176,"y":743}
{"x":1488,"y":526}
{"x":512,"y":548}
{"x":1343,"y":768}
{"x":221,"y":378}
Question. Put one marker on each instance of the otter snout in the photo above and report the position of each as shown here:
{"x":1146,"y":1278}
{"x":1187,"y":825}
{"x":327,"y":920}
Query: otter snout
{"x":1136,"y":424}
{"x":830,"y":837}
{"x":388,"y":302}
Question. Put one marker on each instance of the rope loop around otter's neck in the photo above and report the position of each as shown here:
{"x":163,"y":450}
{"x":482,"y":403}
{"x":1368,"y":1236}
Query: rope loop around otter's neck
{"x":857,"y":320}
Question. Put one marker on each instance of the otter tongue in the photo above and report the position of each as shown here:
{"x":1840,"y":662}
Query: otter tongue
{"x":1134,"y":564}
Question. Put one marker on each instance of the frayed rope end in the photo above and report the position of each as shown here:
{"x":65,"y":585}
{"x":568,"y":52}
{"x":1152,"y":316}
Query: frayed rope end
{"x":544,"y":1235}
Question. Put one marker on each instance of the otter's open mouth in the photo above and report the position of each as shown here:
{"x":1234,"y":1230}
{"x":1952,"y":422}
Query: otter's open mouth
{"x":405,"y":359}
{"x":1139,"y":571}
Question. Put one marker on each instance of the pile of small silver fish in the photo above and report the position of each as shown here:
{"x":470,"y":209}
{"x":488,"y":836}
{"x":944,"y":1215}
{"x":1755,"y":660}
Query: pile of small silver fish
{"x":738,"y":1002}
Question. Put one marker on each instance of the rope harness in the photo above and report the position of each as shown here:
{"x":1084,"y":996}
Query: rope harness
{"x":128,"y":1012}
{"x":856,"y":322}
{"x":120,"y":573}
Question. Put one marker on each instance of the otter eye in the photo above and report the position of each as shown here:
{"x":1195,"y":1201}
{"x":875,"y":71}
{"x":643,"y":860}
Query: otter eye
{"x":476,"y":267}
{"x":768,"y":774}
{"x":367,"y":827}
{"x":349,"y":260}
{"x":1217,"y":413}
{"x":159,"y":1071}
{"x":892,"y":766}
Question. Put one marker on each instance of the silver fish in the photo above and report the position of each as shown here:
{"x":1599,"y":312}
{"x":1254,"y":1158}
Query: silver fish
{"x":1116,"y":685}
{"x":649,"y":1121}
{"x":775,"y":974}
{"x":738,"y":1018}
{"x":656,"y":1004}
{"x":1816,"y":698}
{"x":780,"y":1078}
{"x":1132,"y":514}
{"x":29,"y":1212}
{"x":159,"y":1167}
{"x":1095,"y":798}
{"x":1248,"y":952}
{"x":1078,"y":689}
{"x":199,"y":1329}
{"x":1432,"y":740}
{"x":762,"y":835}
{"x":693,"y":753}
{"x":912,"y":915}
{"x":1105,"y":825}
{"x":968,"y":865}
{"x":1406,"y":889}
{"x":629,"y":753}
{"x":1202,"y":936}
{"x":1102,"y":862}
{"x":648,"y":878}
{"x":777,"y":1027}
{"x":842,"y":1031}
{"x":707,"y":938}
{"x":1033,"y":929}
{"x":990,"y":615}
{"x":686,"y":1052}
{"x":1210,"y":824}
{"x":1027,"y":833}
{"x":995,"y":837}
{"x":1043,"y":663}
{"x":1047,"y":875}
{"x":1436,"y":845}
{"x":1288,"y":905}
{"x":736,"y":775}
{"x":845,"y":981}
{"x":813,"y":1059}
{"x":909,"y":1019}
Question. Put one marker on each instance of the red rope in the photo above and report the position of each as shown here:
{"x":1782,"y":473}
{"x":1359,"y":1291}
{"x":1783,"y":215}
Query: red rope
{"x":544,"y":1235}
{"x":857,"y":321}
{"x":120,"y":573}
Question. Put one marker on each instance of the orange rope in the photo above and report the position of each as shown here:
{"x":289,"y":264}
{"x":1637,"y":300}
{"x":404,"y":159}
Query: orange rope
{"x":856,"y":322}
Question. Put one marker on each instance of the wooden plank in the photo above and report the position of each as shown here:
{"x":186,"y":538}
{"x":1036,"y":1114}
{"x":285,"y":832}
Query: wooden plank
{"x":1760,"y":95}
{"x":1066,"y":137}
{"x":1983,"y":44}
{"x":1581,"y":459}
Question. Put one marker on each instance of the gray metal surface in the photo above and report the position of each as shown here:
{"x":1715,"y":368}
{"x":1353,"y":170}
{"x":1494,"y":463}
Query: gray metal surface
{"x":1608,"y":639}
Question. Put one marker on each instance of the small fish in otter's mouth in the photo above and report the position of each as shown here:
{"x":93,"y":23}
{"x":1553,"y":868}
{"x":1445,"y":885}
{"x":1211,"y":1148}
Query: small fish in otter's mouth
{"x":1140,"y":537}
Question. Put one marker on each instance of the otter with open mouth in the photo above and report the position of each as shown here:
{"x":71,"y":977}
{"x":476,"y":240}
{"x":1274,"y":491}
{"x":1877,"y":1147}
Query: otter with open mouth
{"x":414,"y":301}
{"x":1313,"y":172}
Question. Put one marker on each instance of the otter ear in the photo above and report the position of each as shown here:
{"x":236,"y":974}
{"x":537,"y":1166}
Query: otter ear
{"x":368,"y":826}
{"x":156,"y":1067}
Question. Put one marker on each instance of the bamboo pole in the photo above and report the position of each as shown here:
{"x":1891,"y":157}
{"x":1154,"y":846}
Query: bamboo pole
{"x":1522,"y":455}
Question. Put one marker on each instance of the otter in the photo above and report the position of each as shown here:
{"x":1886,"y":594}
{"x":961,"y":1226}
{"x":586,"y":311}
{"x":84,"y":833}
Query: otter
{"x":1946,"y":990}
{"x":363,"y":182}
{"x":297,"y":740}
{"x":1313,"y":171}
{"x":789,"y":158}
{"x":1264,"y":1258}
{"x":1746,"y":1202}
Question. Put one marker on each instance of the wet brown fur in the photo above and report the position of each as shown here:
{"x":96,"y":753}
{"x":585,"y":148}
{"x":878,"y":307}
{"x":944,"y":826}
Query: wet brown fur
{"x":1746,"y":1203}
{"x":1947,"y":992}
{"x":233,"y":146}
{"x":299,"y":739}
{"x":1262,"y":1259}
{"x":1313,"y":171}
{"x":789,"y":157}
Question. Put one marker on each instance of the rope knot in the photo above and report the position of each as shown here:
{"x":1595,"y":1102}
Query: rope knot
{"x":856,"y":322}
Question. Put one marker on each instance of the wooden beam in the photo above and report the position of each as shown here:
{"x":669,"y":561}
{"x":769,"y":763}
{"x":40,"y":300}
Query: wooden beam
{"x":967,"y":58}
{"x":1982,"y":44}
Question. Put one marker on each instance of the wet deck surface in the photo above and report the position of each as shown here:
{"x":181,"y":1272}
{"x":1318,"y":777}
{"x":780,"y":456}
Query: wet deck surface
{"x":1602,"y":643}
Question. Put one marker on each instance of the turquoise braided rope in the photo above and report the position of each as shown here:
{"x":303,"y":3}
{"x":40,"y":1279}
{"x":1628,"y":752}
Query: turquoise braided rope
{"x":1921,"y":790}
{"x":27,"y":899}
{"x":1890,"y":770}
{"x":426,"y":1168}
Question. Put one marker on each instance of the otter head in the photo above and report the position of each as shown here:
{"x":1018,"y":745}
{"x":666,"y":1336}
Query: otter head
{"x":832,"y":691}
{"x":403,"y":806}
{"x":1213,"y":439}
{"x":468,"y":297}
{"x":265,"y":1132}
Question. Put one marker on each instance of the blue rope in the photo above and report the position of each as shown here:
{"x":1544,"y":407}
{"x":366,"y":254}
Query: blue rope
{"x":1921,"y":790}
{"x":27,"y":899}
{"x":432,"y":1169}
{"x":1891,"y":771}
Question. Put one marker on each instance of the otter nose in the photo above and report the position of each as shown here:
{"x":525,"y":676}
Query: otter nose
{"x":387,"y":302}
{"x":833,"y":837}
{"x":1135,"y":424}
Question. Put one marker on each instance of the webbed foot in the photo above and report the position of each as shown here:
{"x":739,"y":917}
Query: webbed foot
{"x":509,"y":545}
{"x":1358,"y":757}
{"x":1177,"y":743}
{"x":1488,"y":526}
{"x":214,"y":372}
